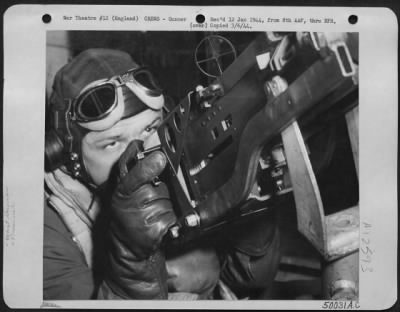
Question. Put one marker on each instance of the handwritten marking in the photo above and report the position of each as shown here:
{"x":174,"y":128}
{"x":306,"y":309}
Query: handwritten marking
{"x":9,"y":221}
{"x":366,"y":249}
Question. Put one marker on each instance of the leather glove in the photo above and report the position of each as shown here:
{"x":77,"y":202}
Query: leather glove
{"x":253,"y":254}
{"x":141,"y":214}
{"x":254,"y":237}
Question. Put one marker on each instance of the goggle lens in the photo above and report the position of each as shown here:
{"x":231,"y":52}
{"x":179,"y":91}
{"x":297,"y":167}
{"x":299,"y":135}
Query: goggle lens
{"x":147,"y":80}
{"x":97,"y":102}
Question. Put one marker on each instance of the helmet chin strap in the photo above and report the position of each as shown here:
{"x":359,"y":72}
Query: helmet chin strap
{"x":75,"y":164}
{"x":77,"y":169}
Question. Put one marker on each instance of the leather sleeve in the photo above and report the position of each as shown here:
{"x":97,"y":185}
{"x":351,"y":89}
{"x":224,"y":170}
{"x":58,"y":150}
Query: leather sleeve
{"x":252,"y":258}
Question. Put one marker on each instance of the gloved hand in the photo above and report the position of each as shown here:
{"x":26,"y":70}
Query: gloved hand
{"x":141,"y":215}
{"x":252,"y":254}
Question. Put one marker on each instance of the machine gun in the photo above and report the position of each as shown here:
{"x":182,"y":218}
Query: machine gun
{"x":215,"y":138}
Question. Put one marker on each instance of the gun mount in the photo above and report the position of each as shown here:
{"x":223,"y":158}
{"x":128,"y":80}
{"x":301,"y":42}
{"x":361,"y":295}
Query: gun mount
{"x":215,"y":139}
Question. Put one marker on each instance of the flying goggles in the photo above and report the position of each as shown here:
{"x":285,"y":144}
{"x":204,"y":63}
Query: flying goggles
{"x":103,"y":103}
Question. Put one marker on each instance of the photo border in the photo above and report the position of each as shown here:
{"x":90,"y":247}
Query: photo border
{"x":25,"y":17}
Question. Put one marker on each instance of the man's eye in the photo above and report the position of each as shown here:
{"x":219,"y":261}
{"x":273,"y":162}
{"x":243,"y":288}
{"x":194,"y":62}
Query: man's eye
{"x":150,"y":129}
{"x":111,"y":145}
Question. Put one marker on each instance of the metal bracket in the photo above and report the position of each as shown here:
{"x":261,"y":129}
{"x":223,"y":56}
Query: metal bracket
{"x":344,"y":58}
{"x":172,"y":132}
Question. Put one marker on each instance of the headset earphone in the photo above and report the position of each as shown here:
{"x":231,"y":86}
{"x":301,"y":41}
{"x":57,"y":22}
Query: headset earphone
{"x":54,"y":155}
{"x":63,"y":150}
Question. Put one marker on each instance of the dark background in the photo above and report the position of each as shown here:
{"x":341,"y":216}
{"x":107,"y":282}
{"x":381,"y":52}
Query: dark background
{"x":169,"y":55}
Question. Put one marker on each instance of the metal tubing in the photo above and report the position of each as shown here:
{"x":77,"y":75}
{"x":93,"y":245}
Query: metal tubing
{"x":340,"y":278}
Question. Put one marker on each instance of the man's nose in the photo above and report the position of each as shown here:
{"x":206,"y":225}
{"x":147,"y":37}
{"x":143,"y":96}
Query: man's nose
{"x":152,"y":141}
{"x":130,"y":156}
